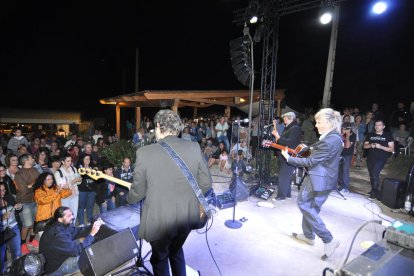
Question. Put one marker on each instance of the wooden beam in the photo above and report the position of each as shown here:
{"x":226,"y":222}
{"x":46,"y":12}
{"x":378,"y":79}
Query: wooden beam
{"x":194,"y":94}
{"x":211,"y":101}
{"x":191,"y":104}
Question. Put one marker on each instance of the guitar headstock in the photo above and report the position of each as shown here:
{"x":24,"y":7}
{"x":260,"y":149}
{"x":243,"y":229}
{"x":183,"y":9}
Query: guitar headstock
{"x":266,"y":143}
{"x":94,"y":174}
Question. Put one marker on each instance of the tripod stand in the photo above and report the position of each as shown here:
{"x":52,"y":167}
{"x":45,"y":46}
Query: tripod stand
{"x":139,"y":263}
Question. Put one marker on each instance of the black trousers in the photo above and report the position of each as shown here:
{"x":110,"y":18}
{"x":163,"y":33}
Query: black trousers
{"x":171,"y":250}
{"x":284,"y":179}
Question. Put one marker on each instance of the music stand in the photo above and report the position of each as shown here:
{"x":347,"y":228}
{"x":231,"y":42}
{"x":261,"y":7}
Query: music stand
{"x":232,"y":223}
{"x":139,"y":263}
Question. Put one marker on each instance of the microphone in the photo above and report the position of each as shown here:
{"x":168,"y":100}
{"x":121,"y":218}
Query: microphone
{"x":241,"y":121}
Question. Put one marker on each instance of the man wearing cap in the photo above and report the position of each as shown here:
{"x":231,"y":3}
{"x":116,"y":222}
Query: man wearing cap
{"x":290,"y":138}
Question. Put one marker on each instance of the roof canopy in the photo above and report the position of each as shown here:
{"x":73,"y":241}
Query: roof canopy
{"x":183,"y":98}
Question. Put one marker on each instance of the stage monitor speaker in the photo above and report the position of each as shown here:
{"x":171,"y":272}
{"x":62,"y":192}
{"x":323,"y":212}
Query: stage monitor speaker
{"x":392,"y":193}
{"x":106,"y":255}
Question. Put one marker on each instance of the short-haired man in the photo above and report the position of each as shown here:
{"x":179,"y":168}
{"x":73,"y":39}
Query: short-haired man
{"x":171,"y":208}
{"x":59,"y":242}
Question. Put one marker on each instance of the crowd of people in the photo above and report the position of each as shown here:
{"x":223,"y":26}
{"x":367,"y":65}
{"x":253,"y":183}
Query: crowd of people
{"x":39,"y":174}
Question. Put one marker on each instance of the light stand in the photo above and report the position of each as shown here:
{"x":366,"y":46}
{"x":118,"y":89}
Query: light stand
{"x":139,"y":263}
{"x":235,"y":224}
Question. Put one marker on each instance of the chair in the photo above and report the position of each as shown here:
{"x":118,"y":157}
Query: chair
{"x":407,"y":149}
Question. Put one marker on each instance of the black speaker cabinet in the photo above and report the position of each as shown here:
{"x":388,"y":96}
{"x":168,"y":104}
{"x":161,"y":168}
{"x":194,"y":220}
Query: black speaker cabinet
{"x":105,"y":255}
{"x":392,"y":192}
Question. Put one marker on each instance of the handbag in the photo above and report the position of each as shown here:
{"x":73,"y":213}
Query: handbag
{"x":8,"y":233}
{"x":204,"y":208}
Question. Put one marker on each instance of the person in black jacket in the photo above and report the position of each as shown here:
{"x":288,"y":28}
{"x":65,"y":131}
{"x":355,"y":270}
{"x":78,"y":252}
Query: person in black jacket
{"x":59,"y":242}
{"x":290,"y":138}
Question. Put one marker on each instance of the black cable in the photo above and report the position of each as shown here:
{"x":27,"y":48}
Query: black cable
{"x":327,"y":269}
{"x":209,"y":249}
{"x":353,"y":239}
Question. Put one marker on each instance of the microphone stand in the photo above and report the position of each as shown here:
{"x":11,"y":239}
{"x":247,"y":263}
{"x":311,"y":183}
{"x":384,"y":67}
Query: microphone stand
{"x":235,"y":224}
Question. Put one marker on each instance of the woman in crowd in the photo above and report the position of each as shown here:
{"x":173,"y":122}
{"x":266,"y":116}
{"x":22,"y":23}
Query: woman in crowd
{"x":105,"y":190}
{"x":86,"y":192}
{"x":48,"y":196}
{"x":12,"y":163}
{"x":8,"y":206}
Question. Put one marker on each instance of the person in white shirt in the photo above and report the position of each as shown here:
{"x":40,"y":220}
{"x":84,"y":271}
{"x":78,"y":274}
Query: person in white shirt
{"x":221,"y":130}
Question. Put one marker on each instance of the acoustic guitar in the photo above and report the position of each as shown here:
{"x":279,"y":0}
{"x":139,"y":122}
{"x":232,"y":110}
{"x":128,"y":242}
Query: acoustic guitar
{"x":301,"y":150}
{"x":94,"y":174}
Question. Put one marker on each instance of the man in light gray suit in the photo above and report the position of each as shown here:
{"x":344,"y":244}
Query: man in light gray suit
{"x":322,"y":169}
{"x":171,"y":208}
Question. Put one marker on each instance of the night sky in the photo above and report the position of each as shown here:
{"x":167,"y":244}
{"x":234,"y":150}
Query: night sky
{"x":73,"y":54}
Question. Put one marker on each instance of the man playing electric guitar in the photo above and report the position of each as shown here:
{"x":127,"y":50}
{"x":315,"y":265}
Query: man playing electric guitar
{"x":291,"y":138}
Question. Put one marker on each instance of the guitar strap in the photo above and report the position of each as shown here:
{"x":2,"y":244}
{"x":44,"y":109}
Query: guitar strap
{"x":190,"y":177}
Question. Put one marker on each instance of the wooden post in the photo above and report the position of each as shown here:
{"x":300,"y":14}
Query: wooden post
{"x":118,"y":120}
{"x":175,"y":105}
{"x":195,"y":109}
{"x":227,"y":112}
{"x":279,"y":96}
{"x":137,"y":117}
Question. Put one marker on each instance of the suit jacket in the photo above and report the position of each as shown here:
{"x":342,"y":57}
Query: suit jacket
{"x":323,"y":162}
{"x":170,"y":206}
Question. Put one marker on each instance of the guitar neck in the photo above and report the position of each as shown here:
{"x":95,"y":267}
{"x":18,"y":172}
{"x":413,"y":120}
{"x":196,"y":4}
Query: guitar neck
{"x":277,"y":146}
{"x":116,"y":180}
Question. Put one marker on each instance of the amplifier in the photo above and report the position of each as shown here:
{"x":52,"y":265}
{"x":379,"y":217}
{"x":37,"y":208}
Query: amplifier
{"x":383,"y":259}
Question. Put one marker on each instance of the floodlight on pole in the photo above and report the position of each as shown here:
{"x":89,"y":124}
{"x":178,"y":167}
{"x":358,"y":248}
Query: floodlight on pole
{"x":379,"y":7}
{"x":326,"y":18}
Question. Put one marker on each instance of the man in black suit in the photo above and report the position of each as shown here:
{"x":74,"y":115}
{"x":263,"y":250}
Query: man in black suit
{"x":291,"y":137}
{"x":171,"y":208}
{"x":322,"y":167}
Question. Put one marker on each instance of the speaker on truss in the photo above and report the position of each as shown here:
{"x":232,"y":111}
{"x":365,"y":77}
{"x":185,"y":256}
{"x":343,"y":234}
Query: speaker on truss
{"x":240,"y":59}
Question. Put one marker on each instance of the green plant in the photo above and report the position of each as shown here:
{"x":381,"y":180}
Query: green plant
{"x":118,"y":150}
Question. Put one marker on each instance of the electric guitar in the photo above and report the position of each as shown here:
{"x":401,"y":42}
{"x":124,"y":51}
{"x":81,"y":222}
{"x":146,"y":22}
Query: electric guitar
{"x":94,"y":174}
{"x":301,"y":150}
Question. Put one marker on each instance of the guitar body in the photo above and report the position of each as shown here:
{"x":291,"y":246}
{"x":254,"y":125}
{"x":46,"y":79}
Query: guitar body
{"x":301,"y":150}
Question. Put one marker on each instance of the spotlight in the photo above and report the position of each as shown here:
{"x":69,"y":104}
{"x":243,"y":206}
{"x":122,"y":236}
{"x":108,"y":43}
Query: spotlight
{"x":30,"y":264}
{"x":326,"y":17}
{"x":252,"y":12}
{"x":379,"y":7}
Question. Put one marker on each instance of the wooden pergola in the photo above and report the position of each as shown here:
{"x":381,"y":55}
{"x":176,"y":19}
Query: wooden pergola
{"x":180,"y":98}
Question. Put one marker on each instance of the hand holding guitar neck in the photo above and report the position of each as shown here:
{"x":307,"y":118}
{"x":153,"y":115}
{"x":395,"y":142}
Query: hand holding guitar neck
{"x":94,"y":174}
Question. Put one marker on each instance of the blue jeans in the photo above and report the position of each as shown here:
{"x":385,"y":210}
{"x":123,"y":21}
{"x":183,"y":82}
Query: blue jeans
{"x":375,"y":167}
{"x":310,"y":204}
{"x":70,"y":265}
{"x":14,"y":246}
{"x":343,"y":175}
{"x":109,"y":204}
{"x":86,"y":201}
{"x":225,"y":140}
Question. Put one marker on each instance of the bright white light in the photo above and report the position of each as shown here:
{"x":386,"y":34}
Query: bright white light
{"x":253,"y":19}
{"x":326,"y":18}
{"x":379,"y":7}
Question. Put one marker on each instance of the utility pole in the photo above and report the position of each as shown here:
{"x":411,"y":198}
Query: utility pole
{"x":327,"y":91}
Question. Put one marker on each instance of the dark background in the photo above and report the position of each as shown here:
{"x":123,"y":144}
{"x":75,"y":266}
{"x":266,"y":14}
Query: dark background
{"x":69,"y":54}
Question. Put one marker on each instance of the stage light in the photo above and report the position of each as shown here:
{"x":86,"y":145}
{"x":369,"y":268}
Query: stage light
{"x":326,"y":17}
{"x":253,"y":19}
{"x":252,"y":12}
{"x":379,"y":7}
{"x":30,"y":264}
